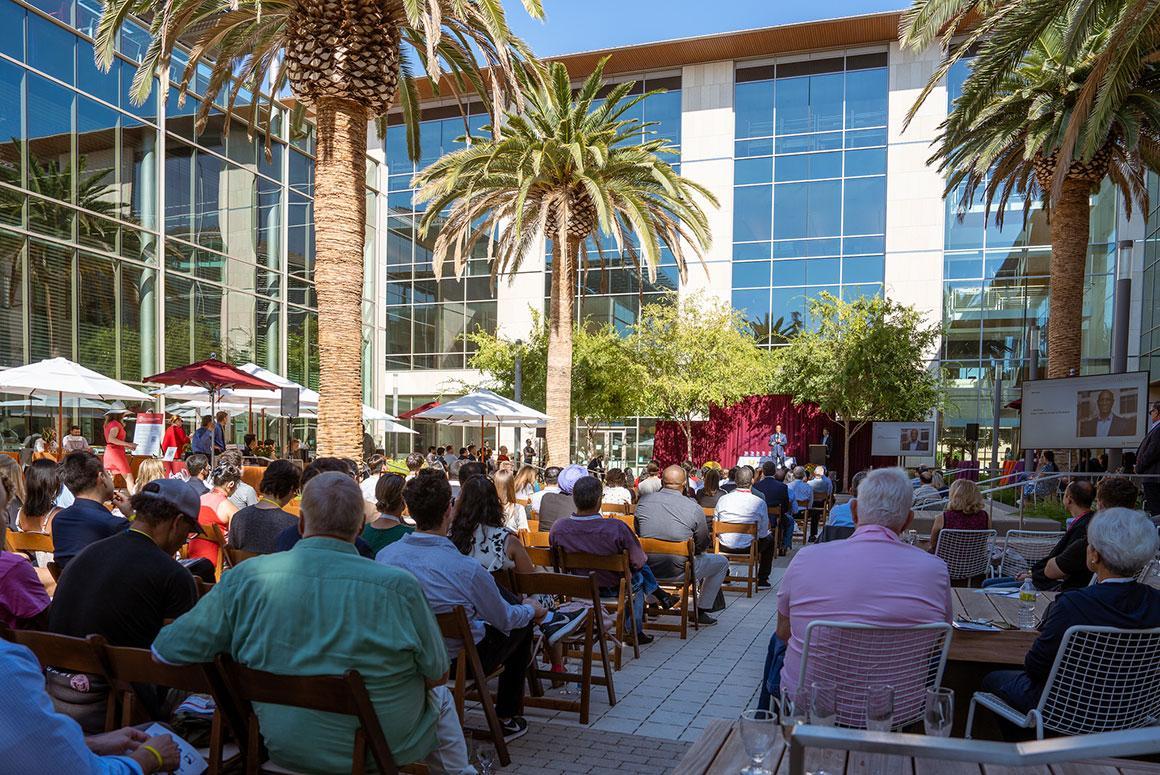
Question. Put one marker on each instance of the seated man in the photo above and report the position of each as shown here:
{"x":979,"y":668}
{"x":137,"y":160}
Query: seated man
{"x":669,"y":516}
{"x":742,"y":507}
{"x":840,"y":523}
{"x":23,"y":600}
{"x":197,"y":468}
{"x":256,"y":528}
{"x":87,"y":520}
{"x":801,"y":497}
{"x":320,"y":609}
{"x":551,"y":484}
{"x":559,"y":505}
{"x":502,"y":631}
{"x":292,"y":534}
{"x":1120,"y":542}
{"x":873,"y":577}
{"x":926,"y":493}
{"x":772,"y":486}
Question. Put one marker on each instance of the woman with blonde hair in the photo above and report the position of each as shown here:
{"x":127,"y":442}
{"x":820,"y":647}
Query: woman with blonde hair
{"x":964,"y":511}
{"x":525,"y":483}
{"x":149,"y":471}
{"x":12,"y":479}
{"x":515,"y":516}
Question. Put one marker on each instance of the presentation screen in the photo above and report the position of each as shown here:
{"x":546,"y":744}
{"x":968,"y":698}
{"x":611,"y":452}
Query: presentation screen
{"x":904,"y":439}
{"x":1103,"y":410}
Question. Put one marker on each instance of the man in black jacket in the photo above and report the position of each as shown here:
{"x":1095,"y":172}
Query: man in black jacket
{"x":1148,"y":462}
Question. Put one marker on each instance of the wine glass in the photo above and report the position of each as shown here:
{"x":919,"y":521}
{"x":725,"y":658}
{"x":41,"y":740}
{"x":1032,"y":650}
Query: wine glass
{"x":879,"y":707}
{"x":794,"y":710}
{"x":940,"y":712}
{"x":757,"y":736}
{"x":823,"y":703}
{"x":484,"y":758}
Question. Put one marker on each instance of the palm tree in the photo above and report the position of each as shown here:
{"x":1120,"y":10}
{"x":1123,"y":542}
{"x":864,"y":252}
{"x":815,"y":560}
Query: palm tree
{"x":1009,"y":137}
{"x":347,"y":63}
{"x":570,"y":167}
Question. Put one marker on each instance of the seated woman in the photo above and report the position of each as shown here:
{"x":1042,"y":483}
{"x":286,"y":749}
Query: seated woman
{"x":388,"y":527}
{"x":711,"y":492}
{"x":615,"y":489}
{"x":964,"y":511}
{"x":478,"y":529}
{"x":1120,"y":542}
{"x":216,"y":509}
{"x":256,"y":528}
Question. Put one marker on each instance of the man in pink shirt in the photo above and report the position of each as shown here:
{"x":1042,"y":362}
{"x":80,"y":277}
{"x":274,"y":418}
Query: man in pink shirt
{"x":872,"y":577}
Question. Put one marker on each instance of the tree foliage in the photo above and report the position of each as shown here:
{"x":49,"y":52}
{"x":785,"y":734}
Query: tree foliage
{"x":696,"y":353}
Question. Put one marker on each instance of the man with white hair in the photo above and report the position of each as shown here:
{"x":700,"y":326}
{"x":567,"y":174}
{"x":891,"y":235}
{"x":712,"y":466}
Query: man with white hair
{"x":321,"y":609}
{"x":1120,"y":542}
{"x":872,"y":577}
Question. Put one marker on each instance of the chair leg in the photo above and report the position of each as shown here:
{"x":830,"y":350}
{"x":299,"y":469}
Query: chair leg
{"x":970,"y":719}
{"x":586,"y":672}
{"x":603,"y":644}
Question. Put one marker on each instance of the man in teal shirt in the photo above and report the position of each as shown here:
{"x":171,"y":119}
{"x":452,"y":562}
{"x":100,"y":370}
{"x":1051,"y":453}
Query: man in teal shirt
{"x":321,"y":609}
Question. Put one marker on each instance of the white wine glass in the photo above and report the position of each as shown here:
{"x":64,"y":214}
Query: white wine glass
{"x":823,"y":703}
{"x":758,"y":731}
{"x":939,"y":715}
{"x":879,"y":707}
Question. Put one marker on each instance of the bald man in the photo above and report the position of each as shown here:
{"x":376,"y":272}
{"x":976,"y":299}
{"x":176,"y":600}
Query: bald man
{"x":670,"y":516}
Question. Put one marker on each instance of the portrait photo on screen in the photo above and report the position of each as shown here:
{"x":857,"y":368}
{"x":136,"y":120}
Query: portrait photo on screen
{"x":914,"y":440}
{"x":1106,"y":412}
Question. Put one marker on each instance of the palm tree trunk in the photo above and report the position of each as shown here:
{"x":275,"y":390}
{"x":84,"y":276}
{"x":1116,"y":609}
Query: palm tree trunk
{"x":340,"y":223}
{"x":558,"y":390}
{"x":1069,"y":245}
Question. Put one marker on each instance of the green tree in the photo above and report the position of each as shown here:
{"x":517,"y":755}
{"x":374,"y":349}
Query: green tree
{"x":347,"y":62}
{"x":1018,"y":129}
{"x":605,"y":375}
{"x":696,"y":353}
{"x":570,"y":167}
{"x":864,"y":360}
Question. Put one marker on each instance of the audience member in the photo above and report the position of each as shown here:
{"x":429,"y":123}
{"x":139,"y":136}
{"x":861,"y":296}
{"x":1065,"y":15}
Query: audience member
{"x":551,"y":484}
{"x":150,"y":470}
{"x":256,"y":528}
{"x":87,"y":520}
{"x":1043,"y":483}
{"x":23,"y":600}
{"x":502,"y":631}
{"x":243,"y":494}
{"x":197,"y":467}
{"x":742,"y":507}
{"x":1116,"y":492}
{"x":415,"y":463}
{"x":525,"y":484}
{"x":558,"y":505}
{"x":711,"y":492}
{"x":1120,"y":542}
{"x":320,"y":609}
{"x":964,"y":510}
{"x":651,"y":481}
{"x":777,"y":494}
{"x":615,"y":489}
{"x":873,"y":577}
{"x":216,"y":510}
{"x":41,"y":487}
{"x":220,"y":432}
{"x":1148,"y":461}
{"x":201,"y":443}
{"x":480,"y":530}
{"x":515,"y":516}
{"x":801,"y":498}
{"x":596,"y":465}
{"x":1066,"y":566}
{"x":75,"y":441}
{"x":668,"y":515}
{"x":388,"y":526}
{"x":375,"y":466}
{"x":840,"y":522}
{"x":289,"y":537}
{"x":12,"y":480}
{"x":729,"y":483}
{"x":926,"y":493}
{"x":821,"y":485}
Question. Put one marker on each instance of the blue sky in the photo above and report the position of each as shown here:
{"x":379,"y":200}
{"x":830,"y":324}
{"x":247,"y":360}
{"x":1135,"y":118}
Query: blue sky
{"x":584,"y":25}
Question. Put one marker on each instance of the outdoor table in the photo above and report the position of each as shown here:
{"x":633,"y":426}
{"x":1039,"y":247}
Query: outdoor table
{"x":1008,"y":646}
{"x":719,"y":752}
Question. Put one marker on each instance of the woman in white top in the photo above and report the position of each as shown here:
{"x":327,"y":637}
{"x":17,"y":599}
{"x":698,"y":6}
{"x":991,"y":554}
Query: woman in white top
{"x":614,"y":489}
{"x":478,"y":529}
{"x":525,"y":483}
{"x":515,"y":516}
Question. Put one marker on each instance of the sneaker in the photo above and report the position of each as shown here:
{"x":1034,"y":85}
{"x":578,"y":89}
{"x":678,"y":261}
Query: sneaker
{"x":513,"y":728}
{"x":643,"y":639}
{"x":704,"y":618}
{"x":764,"y":584}
{"x":665,"y":599}
{"x":562,"y":625}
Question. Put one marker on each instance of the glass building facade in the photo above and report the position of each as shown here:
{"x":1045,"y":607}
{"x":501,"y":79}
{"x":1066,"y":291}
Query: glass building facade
{"x":809,"y":196}
{"x":131,"y":243}
{"x":1150,"y":301}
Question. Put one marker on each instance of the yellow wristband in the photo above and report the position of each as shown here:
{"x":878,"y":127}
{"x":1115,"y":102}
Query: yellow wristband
{"x":157,"y":754}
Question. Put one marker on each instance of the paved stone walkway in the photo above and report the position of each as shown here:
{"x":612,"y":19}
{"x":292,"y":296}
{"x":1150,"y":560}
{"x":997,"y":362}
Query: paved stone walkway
{"x":665,"y":699}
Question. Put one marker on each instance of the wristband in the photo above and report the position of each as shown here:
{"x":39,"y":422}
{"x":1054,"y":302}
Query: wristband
{"x":157,"y":755}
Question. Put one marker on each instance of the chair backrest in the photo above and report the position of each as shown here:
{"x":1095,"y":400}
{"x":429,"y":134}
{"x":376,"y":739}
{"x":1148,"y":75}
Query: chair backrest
{"x":710,"y":511}
{"x":774,"y":511}
{"x":1023,"y":548}
{"x":346,"y":695}
{"x":536,"y":538}
{"x":1103,"y":679}
{"x":856,"y":656}
{"x":627,"y":519}
{"x":747,"y":528}
{"x":582,"y":561}
{"x":533,"y":525}
{"x":540,"y":556}
{"x":614,"y":508}
{"x":967,"y":553}
{"x":28,"y":542}
{"x":238,"y":556}
{"x":76,"y":655}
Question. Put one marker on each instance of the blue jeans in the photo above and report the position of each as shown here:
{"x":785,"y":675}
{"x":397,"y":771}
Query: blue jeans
{"x":771,"y":680}
{"x":787,"y":531}
{"x":1016,"y":689}
{"x":639,"y":585}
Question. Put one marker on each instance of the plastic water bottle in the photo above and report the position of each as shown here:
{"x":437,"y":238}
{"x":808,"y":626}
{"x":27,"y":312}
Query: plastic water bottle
{"x":1027,"y":595}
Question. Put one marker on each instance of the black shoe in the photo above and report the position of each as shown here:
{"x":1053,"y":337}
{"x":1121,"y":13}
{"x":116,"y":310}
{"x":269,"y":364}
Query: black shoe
{"x":562,"y":625}
{"x":665,"y":600}
{"x":705,"y":619}
{"x":764,"y":584}
{"x":643,"y":639}
{"x":782,"y":551}
{"x":514,"y":728}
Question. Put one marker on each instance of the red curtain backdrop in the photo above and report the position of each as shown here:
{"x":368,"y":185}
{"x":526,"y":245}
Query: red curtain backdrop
{"x":745,"y":427}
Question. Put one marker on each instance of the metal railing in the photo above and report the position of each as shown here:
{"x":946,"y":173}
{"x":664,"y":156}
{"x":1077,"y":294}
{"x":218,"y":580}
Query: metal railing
{"x":1134,"y":742}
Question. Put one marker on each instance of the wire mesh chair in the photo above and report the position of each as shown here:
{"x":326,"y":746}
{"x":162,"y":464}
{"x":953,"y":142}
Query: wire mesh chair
{"x":1024,"y":548}
{"x":1103,"y":679}
{"x":856,"y":656}
{"x":967,"y":553}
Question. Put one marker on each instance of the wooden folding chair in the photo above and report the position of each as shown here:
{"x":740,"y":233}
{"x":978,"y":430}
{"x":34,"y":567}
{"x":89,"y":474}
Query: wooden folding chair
{"x":775,"y":527}
{"x":576,"y":588}
{"x":537,"y":539}
{"x":213,"y":534}
{"x":533,"y":525}
{"x":129,"y":668}
{"x":571,"y":562}
{"x":609,"y":509}
{"x":454,"y":626}
{"x":683,"y":586}
{"x":802,"y":517}
{"x":541,"y":557}
{"x":237,"y":556}
{"x":345,"y":695}
{"x":748,"y":559}
{"x":203,"y":587}
{"x":28,"y":542}
{"x":627,"y":519}
{"x":76,"y":655}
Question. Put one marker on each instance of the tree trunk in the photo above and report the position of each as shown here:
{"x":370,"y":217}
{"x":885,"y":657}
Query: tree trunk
{"x":846,"y":456}
{"x":687,"y":427}
{"x":558,"y":389}
{"x":340,"y":226}
{"x":1069,"y":245}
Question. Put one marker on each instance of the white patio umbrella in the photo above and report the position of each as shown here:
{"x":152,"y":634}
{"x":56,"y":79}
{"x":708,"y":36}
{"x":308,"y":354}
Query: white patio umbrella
{"x":61,"y":378}
{"x":483,"y":407}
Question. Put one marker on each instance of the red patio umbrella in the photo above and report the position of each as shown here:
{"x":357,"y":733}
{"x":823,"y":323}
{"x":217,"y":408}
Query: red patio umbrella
{"x":211,"y":375}
{"x":422,"y":408}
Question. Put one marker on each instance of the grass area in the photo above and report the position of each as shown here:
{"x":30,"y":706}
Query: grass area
{"x":1043,"y":508}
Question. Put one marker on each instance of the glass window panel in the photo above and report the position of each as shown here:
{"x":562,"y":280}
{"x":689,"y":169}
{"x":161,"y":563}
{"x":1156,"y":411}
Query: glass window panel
{"x":396,"y":150}
{"x":821,"y":271}
{"x":50,"y":218}
{"x":302,"y":346}
{"x":792,"y":102}
{"x":138,"y":315}
{"x":12,"y":30}
{"x":788,"y":305}
{"x":752,"y":207}
{"x":50,"y":291}
{"x":751,"y":250}
{"x":88,"y":16}
{"x":810,"y":166}
{"x":963,"y":266}
{"x":865,"y":138}
{"x":240,"y":326}
{"x":750,"y":274}
{"x":134,"y":40}
{"x":147,"y":109}
{"x":746,"y":148}
{"x":178,"y":188}
{"x":806,"y":248}
{"x":91,"y":80}
{"x":50,"y":137}
{"x":826,"y":96}
{"x":865,"y":204}
{"x":12,"y":317}
{"x":754,"y":305}
{"x":758,"y":170}
{"x":398,"y":331}
{"x":97,"y":313}
{"x":267,"y":321}
{"x":789,"y":273}
{"x":97,"y":158}
{"x":871,"y":161}
{"x":830,"y":141}
{"x":301,"y":172}
{"x":664,"y":110}
{"x":11,"y":134}
{"x":852,"y":292}
{"x":807,"y":209}
{"x":61,"y":9}
{"x":753,"y":107}
{"x":854,"y":245}
{"x":866,"y":98}
{"x":51,"y":48}
{"x":868,"y":269}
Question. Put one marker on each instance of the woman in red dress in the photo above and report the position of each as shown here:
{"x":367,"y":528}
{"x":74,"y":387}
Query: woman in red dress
{"x":116,"y":444}
{"x":174,"y":438}
{"x":216,"y":511}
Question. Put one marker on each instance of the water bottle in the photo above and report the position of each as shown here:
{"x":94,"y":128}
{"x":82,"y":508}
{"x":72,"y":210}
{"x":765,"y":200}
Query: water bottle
{"x":1027,"y":595}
